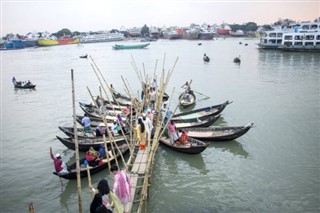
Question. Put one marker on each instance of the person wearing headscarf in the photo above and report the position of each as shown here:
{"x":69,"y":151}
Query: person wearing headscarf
{"x":141,"y":133}
{"x":102,"y":190}
{"x":122,"y":187}
{"x":92,"y":156}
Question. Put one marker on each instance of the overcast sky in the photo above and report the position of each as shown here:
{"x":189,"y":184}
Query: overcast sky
{"x":90,"y":15}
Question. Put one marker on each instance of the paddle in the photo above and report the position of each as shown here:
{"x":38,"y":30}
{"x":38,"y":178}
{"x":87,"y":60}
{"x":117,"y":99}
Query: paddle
{"x":207,"y":97}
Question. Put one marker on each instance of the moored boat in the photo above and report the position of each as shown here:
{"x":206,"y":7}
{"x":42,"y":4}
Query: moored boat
{"x":62,"y":41}
{"x":137,"y":46}
{"x":22,"y":84}
{"x":72,"y":174}
{"x":86,"y":143}
{"x":193,"y":146}
{"x":217,"y":133}
{"x":94,"y":112}
{"x":196,"y":122}
{"x":80,"y":133}
{"x":202,"y":112}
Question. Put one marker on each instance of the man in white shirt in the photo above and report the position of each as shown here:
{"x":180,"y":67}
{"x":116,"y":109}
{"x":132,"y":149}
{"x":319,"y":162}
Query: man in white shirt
{"x":148,"y":124}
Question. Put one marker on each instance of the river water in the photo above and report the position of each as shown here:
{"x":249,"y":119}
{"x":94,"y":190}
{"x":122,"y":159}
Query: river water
{"x":275,"y":167}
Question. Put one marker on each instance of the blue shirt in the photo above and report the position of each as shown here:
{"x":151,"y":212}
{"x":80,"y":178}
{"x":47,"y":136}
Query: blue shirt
{"x":86,"y":121}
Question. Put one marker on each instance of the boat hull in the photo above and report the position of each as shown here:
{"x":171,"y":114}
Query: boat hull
{"x":50,"y":42}
{"x":124,"y":47}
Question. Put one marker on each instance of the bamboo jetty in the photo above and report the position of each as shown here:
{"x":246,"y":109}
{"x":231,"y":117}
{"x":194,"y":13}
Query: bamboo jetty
{"x":140,"y":162}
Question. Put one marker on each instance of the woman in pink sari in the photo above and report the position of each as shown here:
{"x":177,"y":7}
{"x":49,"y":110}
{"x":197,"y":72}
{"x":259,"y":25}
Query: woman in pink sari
{"x":122,"y":187}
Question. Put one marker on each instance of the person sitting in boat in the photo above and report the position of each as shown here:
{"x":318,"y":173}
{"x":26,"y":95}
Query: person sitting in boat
{"x":86,"y":122}
{"x":60,"y":166}
{"x":14,"y":80}
{"x":206,"y":58}
{"x":186,"y":96}
{"x":127,"y":111}
{"x":92,"y":156}
{"x":102,"y":152}
{"x":117,"y":128}
{"x":101,"y":129}
{"x":28,"y":83}
{"x":183,"y":137}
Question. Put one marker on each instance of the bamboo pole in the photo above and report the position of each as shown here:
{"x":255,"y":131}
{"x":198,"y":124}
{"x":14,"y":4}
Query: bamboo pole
{"x":107,"y":152}
{"x":76,"y":145}
{"x":106,"y":96}
{"x":89,"y":182}
{"x":111,"y":139}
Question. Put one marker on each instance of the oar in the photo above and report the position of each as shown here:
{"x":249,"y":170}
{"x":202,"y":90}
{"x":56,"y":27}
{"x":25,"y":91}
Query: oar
{"x":61,"y":181}
{"x":201,"y":94}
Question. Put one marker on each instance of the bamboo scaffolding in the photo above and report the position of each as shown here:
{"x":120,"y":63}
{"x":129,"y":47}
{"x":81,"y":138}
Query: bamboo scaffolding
{"x":76,"y":145}
{"x":130,"y":149}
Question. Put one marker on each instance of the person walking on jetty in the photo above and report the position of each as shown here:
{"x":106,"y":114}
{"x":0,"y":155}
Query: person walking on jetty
{"x":148,"y":125}
{"x":99,"y":201}
{"x":141,"y":133}
{"x":122,"y":187}
{"x":60,"y":166}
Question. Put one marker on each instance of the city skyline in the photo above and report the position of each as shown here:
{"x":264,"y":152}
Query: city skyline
{"x":25,"y":16}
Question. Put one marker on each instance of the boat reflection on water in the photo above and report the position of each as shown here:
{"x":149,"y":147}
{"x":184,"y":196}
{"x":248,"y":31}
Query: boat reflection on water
{"x":195,"y":161}
{"x":173,"y":159}
{"x":23,"y":91}
{"x":233,"y":147}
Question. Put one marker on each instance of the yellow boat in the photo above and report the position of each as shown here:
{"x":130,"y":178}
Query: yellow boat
{"x":51,"y":42}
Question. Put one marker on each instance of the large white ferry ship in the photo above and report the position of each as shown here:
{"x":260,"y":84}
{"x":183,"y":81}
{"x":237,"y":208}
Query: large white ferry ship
{"x":297,"y":35}
{"x":101,"y":37}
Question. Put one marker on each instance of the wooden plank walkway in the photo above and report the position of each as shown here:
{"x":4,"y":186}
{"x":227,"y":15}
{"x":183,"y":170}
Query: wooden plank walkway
{"x":138,"y":170}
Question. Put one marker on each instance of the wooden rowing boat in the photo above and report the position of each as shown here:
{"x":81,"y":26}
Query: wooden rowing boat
{"x":187,"y":102}
{"x":80,"y":132}
{"x":196,"y":122}
{"x":85,"y":144}
{"x":93,"y":170}
{"x":193,"y":146}
{"x":218,"y":133}
{"x":203,"y":112}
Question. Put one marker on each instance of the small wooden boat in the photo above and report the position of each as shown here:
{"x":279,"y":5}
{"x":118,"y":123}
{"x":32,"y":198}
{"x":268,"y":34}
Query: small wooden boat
{"x":85,"y":144}
{"x":237,"y":60}
{"x":94,"y":121}
{"x":193,"y":146}
{"x":203,"y":112}
{"x":107,"y":104}
{"x":196,"y":122}
{"x":21,"y":85}
{"x":218,"y":133}
{"x":94,"y":112}
{"x":206,"y":59}
{"x":184,"y":102}
{"x":137,"y":46}
{"x":84,"y":56}
{"x":80,"y":133}
{"x":121,"y":99}
{"x":93,"y":170}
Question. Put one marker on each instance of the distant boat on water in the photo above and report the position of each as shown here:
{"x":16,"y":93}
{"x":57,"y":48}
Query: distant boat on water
{"x":137,"y":46}
{"x":62,"y":41}
{"x":102,"y":37}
